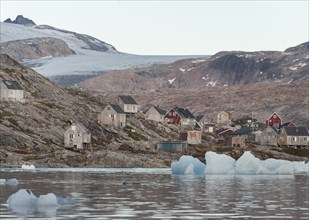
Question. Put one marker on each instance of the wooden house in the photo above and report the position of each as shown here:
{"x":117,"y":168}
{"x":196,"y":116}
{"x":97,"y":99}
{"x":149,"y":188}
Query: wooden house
{"x":294,"y":136}
{"x":77,"y":136}
{"x":274,"y":120}
{"x":224,"y":117}
{"x":113,"y":115}
{"x":173,"y":146}
{"x":223,"y":132}
{"x":235,"y":141}
{"x":269,"y":136}
{"x":179,"y":116}
{"x":155,"y":113}
{"x":11,"y":90}
{"x":192,"y":137}
{"x":127,"y":103}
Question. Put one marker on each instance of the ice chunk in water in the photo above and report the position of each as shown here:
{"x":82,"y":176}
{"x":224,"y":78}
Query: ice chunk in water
{"x":188,"y":165}
{"x":28,"y":167}
{"x":246,"y":164}
{"x":24,"y":202}
{"x":219,"y":163}
{"x":12,"y":182}
{"x":47,"y":200}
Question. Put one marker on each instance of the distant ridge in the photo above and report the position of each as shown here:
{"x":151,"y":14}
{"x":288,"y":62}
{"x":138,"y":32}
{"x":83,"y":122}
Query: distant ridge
{"x":21,"y":20}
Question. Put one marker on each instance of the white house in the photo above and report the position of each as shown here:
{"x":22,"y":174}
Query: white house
{"x":77,"y":137}
{"x":11,"y":90}
{"x":127,"y":103}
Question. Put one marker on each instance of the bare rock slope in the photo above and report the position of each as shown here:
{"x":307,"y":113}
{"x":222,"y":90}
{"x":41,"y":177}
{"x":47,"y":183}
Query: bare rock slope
{"x":32,"y":132}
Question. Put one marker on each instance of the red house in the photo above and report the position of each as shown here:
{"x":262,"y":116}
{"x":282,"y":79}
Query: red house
{"x":179,"y":116}
{"x":274,"y":120}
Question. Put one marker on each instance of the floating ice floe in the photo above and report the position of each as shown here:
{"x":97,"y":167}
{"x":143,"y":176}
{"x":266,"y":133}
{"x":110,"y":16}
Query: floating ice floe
{"x":188,"y":165}
{"x":24,"y":202}
{"x":9,"y":182}
{"x":246,"y":164}
{"x":28,"y":167}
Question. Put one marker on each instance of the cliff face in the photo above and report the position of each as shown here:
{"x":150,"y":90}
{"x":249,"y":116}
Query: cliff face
{"x":32,"y":132}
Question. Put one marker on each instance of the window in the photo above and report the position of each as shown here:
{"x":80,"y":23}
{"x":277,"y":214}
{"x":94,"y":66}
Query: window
{"x":294,"y":138}
{"x":71,"y":135}
{"x":305,"y":139}
{"x":108,"y":108}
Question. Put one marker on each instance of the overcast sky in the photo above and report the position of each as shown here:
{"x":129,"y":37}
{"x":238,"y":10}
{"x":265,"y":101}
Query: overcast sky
{"x":174,"y":27}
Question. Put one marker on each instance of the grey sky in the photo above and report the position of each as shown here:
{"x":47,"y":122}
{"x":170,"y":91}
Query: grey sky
{"x":175,"y":27}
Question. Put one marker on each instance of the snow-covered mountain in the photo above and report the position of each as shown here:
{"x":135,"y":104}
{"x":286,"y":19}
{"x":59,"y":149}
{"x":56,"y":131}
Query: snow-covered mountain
{"x":90,"y":55}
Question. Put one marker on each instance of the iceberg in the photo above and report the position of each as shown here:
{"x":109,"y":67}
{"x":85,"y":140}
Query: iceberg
{"x":188,"y":165}
{"x":246,"y":164}
{"x":24,"y":202}
{"x":10,"y":182}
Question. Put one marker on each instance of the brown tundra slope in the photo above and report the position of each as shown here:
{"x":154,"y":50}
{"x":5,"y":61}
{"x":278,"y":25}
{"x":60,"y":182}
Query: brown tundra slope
{"x":244,"y":83}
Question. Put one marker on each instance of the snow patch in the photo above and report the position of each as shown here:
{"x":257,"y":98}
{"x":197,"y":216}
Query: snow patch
{"x":290,"y":81}
{"x":212,"y":83}
{"x":198,"y":61}
{"x":293,"y":68}
{"x":182,"y":70}
{"x":171,"y":80}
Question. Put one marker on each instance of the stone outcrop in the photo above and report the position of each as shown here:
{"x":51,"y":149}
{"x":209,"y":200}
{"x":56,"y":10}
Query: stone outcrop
{"x":35,"y":48}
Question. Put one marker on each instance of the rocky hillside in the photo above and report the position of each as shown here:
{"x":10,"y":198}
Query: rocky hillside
{"x":222,"y":69}
{"x":32,"y":132}
{"x":243,"y":83}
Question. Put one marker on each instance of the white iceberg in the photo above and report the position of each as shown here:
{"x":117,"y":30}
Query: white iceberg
{"x":24,"y":202}
{"x":246,"y":164}
{"x":188,"y":165}
{"x":10,"y":182}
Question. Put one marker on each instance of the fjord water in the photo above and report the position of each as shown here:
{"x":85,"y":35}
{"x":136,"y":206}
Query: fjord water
{"x":157,"y":194}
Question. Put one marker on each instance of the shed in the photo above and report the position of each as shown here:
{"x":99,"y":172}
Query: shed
{"x":173,"y":146}
{"x":11,"y":90}
{"x":192,"y":137}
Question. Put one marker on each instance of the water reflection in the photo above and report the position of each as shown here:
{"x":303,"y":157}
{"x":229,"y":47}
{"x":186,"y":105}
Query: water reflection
{"x":129,"y":195}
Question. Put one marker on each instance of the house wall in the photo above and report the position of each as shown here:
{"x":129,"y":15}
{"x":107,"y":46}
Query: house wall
{"x":75,"y":138}
{"x":128,"y":108}
{"x":154,"y":115}
{"x":297,"y":140}
{"x":274,"y":120}
{"x":111,"y":117}
{"x":172,"y":118}
{"x":187,"y":121}
{"x":269,"y":137}
{"x":238,"y":141}
{"x":223,"y":117}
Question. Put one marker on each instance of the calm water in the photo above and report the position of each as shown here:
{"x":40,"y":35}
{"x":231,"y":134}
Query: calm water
{"x":156,"y":194}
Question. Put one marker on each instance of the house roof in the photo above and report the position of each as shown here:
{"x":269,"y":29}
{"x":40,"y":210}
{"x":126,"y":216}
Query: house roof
{"x":126,"y":99}
{"x":275,"y":129}
{"x":81,"y":127}
{"x":161,"y":111}
{"x":11,"y":84}
{"x":198,"y":118}
{"x":297,"y":131}
{"x":117,"y":108}
{"x":287,"y":124}
{"x":242,"y":131}
{"x":184,"y":113}
{"x":275,"y":113}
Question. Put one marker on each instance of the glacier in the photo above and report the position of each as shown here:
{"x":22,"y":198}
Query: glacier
{"x":247,"y":164}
